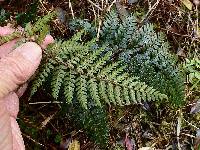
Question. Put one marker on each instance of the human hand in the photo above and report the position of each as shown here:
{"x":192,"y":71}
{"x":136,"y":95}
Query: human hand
{"x":16,"y":67}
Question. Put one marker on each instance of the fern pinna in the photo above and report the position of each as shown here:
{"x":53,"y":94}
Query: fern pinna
{"x":81,"y":71}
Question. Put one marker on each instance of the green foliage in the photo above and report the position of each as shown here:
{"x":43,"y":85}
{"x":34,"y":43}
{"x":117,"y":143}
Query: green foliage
{"x":145,"y":51}
{"x":40,"y":28}
{"x":58,"y":138}
{"x":94,"y":122}
{"x":7,"y":38}
{"x":88,"y":71}
{"x":88,"y":75}
{"x":3,"y":16}
{"x":192,"y":67}
{"x":83,"y":75}
{"x":29,"y":15}
{"x":37,"y":31}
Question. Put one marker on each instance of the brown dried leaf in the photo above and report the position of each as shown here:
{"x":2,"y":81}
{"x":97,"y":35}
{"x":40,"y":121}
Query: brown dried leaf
{"x":187,"y":3}
{"x":74,"y":145}
{"x":196,"y":108}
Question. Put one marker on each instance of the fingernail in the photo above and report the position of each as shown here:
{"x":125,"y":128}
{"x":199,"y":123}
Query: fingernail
{"x":48,"y":40}
{"x":31,"y":51}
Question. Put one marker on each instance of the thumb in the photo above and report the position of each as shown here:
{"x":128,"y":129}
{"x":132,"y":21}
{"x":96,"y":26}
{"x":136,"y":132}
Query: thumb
{"x":18,"y":66}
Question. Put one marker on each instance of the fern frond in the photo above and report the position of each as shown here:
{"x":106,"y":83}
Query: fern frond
{"x":101,"y":62}
{"x":91,"y":74}
{"x":7,"y":38}
{"x":94,"y":121}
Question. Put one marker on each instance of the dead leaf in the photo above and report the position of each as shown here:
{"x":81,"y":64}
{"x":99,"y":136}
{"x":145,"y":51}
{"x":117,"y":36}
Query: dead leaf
{"x":181,"y":52}
{"x":188,"y":4}
{"x":128,"y":142}
{"x":64,"y":144}
{"x":196,"y":108}
{"x":74,"y":145}
{"x":47,"y":120}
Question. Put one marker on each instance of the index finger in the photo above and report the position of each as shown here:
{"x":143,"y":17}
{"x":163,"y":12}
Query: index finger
{"x":7,"y":48}
{"x":6,"y":30}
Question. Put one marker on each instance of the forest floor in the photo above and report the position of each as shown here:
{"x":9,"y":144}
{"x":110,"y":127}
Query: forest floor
{"x":165,"y":127}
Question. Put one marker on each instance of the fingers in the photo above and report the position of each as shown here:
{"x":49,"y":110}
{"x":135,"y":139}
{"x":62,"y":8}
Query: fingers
{"x":7,"y":48}
{"x":10,"y":136}
{"x":18,"y":66}
{"x":18,"y":143}
{"x":11,"y":102}
{"x":21,"y":90}
{"x":6,"y":30}
{"x":5,"y":128}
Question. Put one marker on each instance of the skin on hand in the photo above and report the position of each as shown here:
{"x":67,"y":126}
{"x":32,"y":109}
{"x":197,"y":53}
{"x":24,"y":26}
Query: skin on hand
{"x":16,"y":67}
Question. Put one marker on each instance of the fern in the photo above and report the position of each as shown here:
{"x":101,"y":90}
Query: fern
{"x":192,"y":67}
{"x":93,"y":121}
{"x":89,"y":74}
{"x":7,"y":38}
{"x":144,"y":51}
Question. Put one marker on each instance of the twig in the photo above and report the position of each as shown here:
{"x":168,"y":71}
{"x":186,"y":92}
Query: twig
{"x":95,"y":16}
{"x":47,"y":120}
{"x":70,"y":6}
{"x":150,"y":11}
{"x":95,"y":5}
{"x":178,"y":129}
{"x":183,"y":35}
{"x":54,"y":102}
{"x":102,"y":5}
{"x":197,"y":21}
{"x":28,"y":137}
{"x":189,"y":135}
{"x":190,"y":124}
{"x":109,"y":7}
{"x":99,"y":28}
{"x":43,"y":5}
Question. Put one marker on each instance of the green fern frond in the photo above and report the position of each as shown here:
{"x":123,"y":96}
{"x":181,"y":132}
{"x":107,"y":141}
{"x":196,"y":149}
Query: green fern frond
{"x":94,"y":122}
{"x":90,"y":73}
{"x":7,"y":38}
{"x":145,"y":51}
